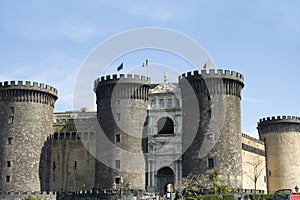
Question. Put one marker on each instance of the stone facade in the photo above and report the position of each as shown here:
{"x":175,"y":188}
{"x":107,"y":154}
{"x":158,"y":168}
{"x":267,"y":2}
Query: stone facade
{"x":281,"y":136}
{"x":164,"y":132}
{"x":25,"y":123}
{"x":122,"y":110}
{"x":142,"y":136}
{"x":212,"y":124}
{"x":254,"y":164}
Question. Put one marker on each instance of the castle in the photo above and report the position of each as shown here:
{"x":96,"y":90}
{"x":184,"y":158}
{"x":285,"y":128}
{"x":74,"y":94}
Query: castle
{"x":144,"y":136}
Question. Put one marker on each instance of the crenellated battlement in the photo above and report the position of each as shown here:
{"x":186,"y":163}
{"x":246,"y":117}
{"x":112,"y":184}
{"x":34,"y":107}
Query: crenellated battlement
{"x":214,"y":82}
{"x":122,"y":87}
{"x":72,"y":136}
{"x":214,"y":73}
{"x":27,"y":85}
{"x":275,"y":119}
{"x":122,"y":78}
{"x":279,"y":124}
{"x":28,"y":92}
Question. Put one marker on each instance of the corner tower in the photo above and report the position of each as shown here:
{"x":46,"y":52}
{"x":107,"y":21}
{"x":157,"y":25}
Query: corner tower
{"x":121,"y":110}
{"x":212,"y":124}
{"x":281,"y":136}
{"x":25,"y":122}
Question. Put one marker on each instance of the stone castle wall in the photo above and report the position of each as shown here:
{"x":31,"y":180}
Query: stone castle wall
{"x":122,"y":108}
{"x":25,"y":122}
{"x":254,"y":164}
{"x":281,"y":136}
{"x":211,"y":120}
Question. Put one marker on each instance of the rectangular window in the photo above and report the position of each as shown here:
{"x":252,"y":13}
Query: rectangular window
{"x":8,"y":163}
{"x":209,"y":136}
{"x":7,"y":179}
{"x":162,"y":103}
{"x":270,"y":173}
{"x":118,"y":116}
{"x":209,"y":114}
{"x":210,"y":163}
{"x":54,"y":166}
{"x":118,"y":164}
{"x":118,"y":138}
{"x":75,"y":165}
{"x":117,"y":180}
{"x":12,"y":110}
{"x":11,"y":120}
{"x":10,"y":140}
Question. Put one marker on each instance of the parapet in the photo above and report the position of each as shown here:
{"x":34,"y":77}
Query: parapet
{"x":122,"y":78}
{"x":6,"y":85}
{"x":279,"y":124}
{"x":214,"y":73}
{"x":274,"y":119}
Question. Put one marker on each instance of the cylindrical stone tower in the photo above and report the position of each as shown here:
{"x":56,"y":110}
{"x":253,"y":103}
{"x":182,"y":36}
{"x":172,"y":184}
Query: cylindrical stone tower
{"x":212,"y":124}
{"x":25,"y":122}
{"x":122,"y":109}
{"x":281,"y":135}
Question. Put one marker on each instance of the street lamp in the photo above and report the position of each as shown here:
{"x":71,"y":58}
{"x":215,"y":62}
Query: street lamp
{"x":121,"y":184}
{"x":296,"y":189}
{"x":114,"y":186}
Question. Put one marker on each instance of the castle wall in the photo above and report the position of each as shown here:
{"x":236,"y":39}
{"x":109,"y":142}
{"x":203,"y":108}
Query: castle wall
{"x":122,"y":108}
{"x":25,"y":122}
{"x":254,"y":164}
{"x":281,"y":136}
{"x":73,"y":165}
{"x":212,"y":124}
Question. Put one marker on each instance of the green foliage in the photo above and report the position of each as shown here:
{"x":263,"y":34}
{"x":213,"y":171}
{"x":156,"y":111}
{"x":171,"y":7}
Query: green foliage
{"x":212,"y":197}
{"x":219,"y":188}
{"x":258,"y":196}
{"x":32,"y":198}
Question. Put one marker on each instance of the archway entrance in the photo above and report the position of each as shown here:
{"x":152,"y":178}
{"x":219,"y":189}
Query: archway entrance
{"x":165,"y":125}
{"x":165,"y":179}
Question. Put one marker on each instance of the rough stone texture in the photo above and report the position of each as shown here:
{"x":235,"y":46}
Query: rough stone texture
{"x":122,"y":109}
{"x":73,"y":142}
{"x":32,"y":123}
{"x":254,"y":164}
{"x":281,"y":136}
{"x":211,"y":105}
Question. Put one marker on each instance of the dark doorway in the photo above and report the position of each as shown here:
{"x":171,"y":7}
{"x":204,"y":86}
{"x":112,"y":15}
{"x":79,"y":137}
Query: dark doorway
{"x":165,"y":176}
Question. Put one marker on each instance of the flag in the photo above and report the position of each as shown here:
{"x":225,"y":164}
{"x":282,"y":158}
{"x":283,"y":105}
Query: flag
{"x":206,"y":65}
{"x":146,"y":63}
{"x":120,"y":67}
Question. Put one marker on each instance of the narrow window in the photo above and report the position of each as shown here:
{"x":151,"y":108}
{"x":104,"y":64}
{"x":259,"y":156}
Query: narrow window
{"x":75,"y":165}
{"x":208,"y":97}
{"x":161,"y":103}
{"x":8,"y":163}
{"x":209,"y":136}
{"x":7,"y":179}
{"x":12,"y":110}
{"x":118,"y":164}
{"x":118,"y":116}
{"x":118,"y":138}
{"x":209,"y":114}
{"x":270,"y":173}
{"x":54,"y":166}
{"x":11,"y":120}
{"x":117,"y":180}
{"x":210,"y":163}
{"x":10,"y":140}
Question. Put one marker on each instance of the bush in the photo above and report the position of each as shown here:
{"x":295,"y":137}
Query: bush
{"x":258,"y":196}
{"x":32,"y":198}
{"x":216,"y":197}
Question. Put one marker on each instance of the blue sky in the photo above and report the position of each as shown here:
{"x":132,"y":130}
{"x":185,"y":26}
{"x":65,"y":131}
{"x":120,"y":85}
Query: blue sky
{"x":47,"y":41}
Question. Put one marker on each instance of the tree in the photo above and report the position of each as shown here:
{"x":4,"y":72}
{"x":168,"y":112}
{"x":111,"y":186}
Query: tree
{"x":257,"y":167}
{"x":218,"y":187}
{"x":192,"y":185}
